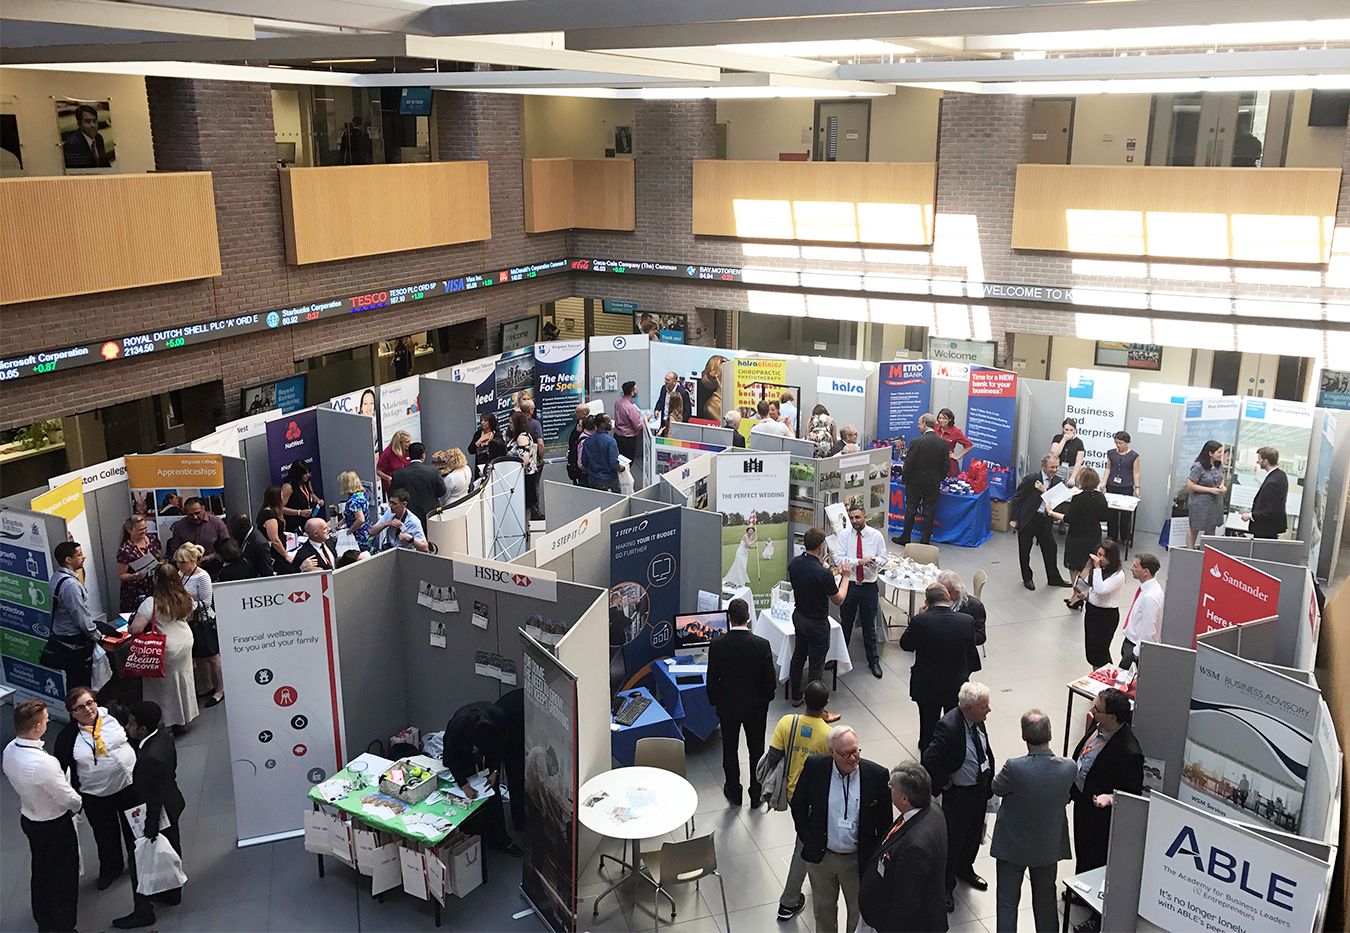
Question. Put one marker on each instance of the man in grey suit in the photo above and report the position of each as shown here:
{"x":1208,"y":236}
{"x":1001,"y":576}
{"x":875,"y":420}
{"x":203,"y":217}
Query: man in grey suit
{"x":1032,"y":831}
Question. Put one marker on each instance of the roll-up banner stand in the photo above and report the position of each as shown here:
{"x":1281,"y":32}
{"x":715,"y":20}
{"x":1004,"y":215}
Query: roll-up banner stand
{"x":26,"y":606}
{"x":1096,"y":400}
{"x":401,"y":409}
{"x":1203,"y":419}
{"x":550,"y":868}
{"x":645,"y":584}
{"x":160,"y":483}
{"x":991,"y":419}
{"x":67,"y":503}
{"x":560,"y":386}
{"x":279,"y":656}
{"x":1321,"y":486}
{"x":904,"y":392}
{"x":293,"y":438}
{"x":751,"y":492}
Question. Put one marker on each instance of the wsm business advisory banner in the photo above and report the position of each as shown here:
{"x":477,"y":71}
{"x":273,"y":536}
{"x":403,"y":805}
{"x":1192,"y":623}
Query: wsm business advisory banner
{"x":644,"y":587}
{"x":904,"y":392}
{"x":991,"y":415}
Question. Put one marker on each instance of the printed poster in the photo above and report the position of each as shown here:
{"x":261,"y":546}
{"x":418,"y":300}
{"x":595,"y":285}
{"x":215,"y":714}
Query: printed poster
{"x":560,"y":375}
{"x":698,"y":372}
{"x":1334,"y":391}
{"x":1202,"y":419}
{"x":644,"y":589}
{"x":1326,"y":450}
{"x":751,"y":492}
{"x":88,"y":145}
{"x":362,"y":402}
{"x":67,"y":503}
{"x":904,"y":392}
{"x":291,"y":438}
{"x":160,"y":485}
{"x":1233,"y":592}
{"x":26,"y":608}
{"x":1288,"y":427}
{"x":401,"y":409}
{"x":991,"y":416}
{"x":751,"y":375}
{"x":1096,"y":401}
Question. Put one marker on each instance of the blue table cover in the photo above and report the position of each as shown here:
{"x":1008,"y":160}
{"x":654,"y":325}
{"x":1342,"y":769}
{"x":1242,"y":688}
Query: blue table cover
{"x":654,"y":721}
{"x":961,"y":520}
{"x":700,"y":719}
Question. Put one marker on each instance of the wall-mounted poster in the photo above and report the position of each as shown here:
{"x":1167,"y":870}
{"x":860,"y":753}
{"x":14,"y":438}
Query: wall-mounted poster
{"x":661,"y":326}
{"x":623,"y":140}
{"x":287,"y":395}
{"x":1128,"y":355}
{"x":1334,"y":391}
{"x":87,"y":142}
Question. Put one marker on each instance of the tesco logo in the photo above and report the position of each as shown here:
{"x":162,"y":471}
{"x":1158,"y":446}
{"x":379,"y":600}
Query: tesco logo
{"x":373,"y":300}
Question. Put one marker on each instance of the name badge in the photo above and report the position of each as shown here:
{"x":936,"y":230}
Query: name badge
{"x":848,"y":823}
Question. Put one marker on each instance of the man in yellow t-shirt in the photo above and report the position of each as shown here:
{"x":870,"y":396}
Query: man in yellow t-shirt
{"x":812,"y":738}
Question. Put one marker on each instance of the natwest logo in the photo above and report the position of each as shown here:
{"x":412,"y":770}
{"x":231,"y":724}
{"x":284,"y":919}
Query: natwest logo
{"x":292,"y":432}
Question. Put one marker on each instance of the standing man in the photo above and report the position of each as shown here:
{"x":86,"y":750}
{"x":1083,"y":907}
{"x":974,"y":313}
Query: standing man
{"x":1267,"y":519}
{"x":1032,"y":524}
{"x":74,"y":633}
{"x":201,"y":528}
{"x":842,"y":811}
{"x":422,"y":482}
{"x":1109,"y":759}
{"x":671,"y":386}
{"x":600,"y":457}
{"x":155,"y":780}
{"x":317,"y":531}
{"x":742,"y":680}
{"x":925,"y":469}
{"x":1143,"y":622}
{"x":628,"y":422}
{"x":46,"y":805}
{"x":901,"y":881}
{"x":1031,"y":831}
{"x":943,"y":641}
{"x":866,"y":548}
{"x":257,"y":552}
{"x":574,"y":471}
{"x":398,"y":526}
{"x":961,"y":764}
{"x":814,"y":587}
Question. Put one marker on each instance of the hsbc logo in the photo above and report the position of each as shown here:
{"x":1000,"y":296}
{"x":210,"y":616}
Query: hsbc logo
{"x":519,"y":579}
{"x":270,"y":600}
{"x":300,"y":596}
{"x":493,"y":575}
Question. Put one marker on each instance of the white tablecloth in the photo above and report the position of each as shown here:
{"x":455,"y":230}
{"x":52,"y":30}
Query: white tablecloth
{"x":782,"y":638}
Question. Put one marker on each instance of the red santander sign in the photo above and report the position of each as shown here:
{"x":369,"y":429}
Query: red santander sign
{"x":1233,"y":592}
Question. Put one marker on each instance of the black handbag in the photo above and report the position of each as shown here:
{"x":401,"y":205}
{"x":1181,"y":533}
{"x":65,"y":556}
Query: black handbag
{"x":59,"y":654}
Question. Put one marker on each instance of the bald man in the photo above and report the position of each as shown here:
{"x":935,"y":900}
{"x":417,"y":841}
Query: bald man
{"x":671,"y":387}
{"x":316,"y":530}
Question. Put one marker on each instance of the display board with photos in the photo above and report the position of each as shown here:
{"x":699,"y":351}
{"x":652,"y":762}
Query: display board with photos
{"x":661,"y":326}
{"x":839,"y":482}
{"x":1146,"y":356}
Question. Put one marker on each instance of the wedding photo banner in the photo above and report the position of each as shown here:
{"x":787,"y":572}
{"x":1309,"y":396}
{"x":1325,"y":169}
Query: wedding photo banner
{"x":751,"y":491}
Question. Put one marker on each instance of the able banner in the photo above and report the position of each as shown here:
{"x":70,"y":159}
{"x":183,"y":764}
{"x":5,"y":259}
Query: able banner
{"x":550,"y":868}
{"x":751,"y":491}
{"x":26,"y":607}
{"x":279,"y":655}
{"x":560,"y":379}
{"x":66,"y":502}
{"x":991,"y":416}
{"x":160,"y":483}
{"x":1096,"y":401}
{"x":644,"y":584}
{"x":904,"y":392}
{"x":291,"y":438}
{"x":1233,"y":592}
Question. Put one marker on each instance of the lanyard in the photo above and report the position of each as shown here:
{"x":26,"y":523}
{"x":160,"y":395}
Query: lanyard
{"x":847,"y":778}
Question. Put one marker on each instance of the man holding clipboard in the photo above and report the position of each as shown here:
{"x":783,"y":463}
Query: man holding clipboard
{"x":1029,"y":504}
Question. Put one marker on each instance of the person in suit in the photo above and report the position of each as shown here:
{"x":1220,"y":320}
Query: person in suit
{"x":1033,"y":525}
{"x":84,"y":147}
{"x":842,"y":811}
{"x":670,"y":388}
{"x":733,"y":421}
{"x":1267,"y":518}
{"x":490,"y":736}
{"x":257,"y":552}
{"x":1031,"y":831}
{"x":316,"y":529}
{"x":925,"y":469}
{"x":960,"y":761}
{"x":155,"y":781}
{"x":422,"y":481}
{"x":742,"y":680}
{"x":899,"y":888}
{"x":944,"y":643}
{"x":848,"y":434}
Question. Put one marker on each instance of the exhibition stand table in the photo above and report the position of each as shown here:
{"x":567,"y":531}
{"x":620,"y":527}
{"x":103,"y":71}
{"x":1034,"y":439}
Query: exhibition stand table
{"x":961,"y":520}
{"x":633,"y":804}
{"x":913,"y":583}
{"x":782,"y":639}
{"x":654,"y":722}
{"x":691,"y":679}
{"x":1088,"y":889}
{"x":1088,"y":686}
{"x":1126,"y":505}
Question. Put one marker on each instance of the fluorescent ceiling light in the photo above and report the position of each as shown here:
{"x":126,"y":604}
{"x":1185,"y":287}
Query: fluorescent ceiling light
{"x":738,"y":93}
{"x":1218,"y":34}
{"x":842,"y":48}
{"x":342,"y":61}
{"x":1144,"y":86}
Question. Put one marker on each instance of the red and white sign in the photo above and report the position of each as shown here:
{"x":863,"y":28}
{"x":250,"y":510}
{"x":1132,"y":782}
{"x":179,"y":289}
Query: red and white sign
{"x":1232,"y":592}
{"x":992,"y":383}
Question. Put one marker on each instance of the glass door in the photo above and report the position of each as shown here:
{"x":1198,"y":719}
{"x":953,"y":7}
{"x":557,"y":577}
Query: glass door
{"x":1238,"y":129}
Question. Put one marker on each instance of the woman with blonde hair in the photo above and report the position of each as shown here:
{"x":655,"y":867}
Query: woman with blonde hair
{"x":167,"y":612}
{"x":356,"y":510}
{"x":710,"y":389}
{"x":136,"y":543}
{"x":458,"y":476}
{"x":205,"y":639}
{"x":393,"y":458}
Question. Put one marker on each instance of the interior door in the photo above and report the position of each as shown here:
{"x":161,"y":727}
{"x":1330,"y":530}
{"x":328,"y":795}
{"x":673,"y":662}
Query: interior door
{"x":842,"y":129}
{"x":1051,"y":122}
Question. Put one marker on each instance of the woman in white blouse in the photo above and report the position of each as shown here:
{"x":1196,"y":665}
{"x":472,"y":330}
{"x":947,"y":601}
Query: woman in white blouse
{"x":205,"y":639}
{"x":458,"y":476}
{"x":169,"y":609}
{"x":1101,"y":617}
{"x":94,"y":747}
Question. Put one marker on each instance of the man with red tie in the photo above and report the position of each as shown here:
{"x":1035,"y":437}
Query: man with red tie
{"x":865,"y":548}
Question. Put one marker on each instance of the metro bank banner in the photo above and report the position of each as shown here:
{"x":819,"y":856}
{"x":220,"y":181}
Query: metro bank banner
{"x":904,"y":392}
{"x":991,"y":415}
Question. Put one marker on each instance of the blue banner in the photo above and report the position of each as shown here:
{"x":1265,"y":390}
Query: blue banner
{"x":560,"y":377}
{"x":644,"y":588}
{"x":904,"y":392}
{"x":295,"y":437}
{"x":991,"y":416}
{"x":48,"y":684}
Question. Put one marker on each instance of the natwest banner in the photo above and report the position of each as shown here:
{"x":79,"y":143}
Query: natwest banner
{"x":1233,"y":592}
{"x":291,"y":438}
{"x":991,"y":415}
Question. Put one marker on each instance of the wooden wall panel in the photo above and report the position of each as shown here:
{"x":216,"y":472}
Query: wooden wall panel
{"x":584,"y":194}
{"x":841,"y":202}
{"x":80,"y":234}
{"x":1333,"y":676}
{"x":1268,"y":215}
{"x":341,"y":211}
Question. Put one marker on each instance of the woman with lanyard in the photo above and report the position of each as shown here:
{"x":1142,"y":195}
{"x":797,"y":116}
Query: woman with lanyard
{"x":1122,"y":478}
{"x":93,"y":746}
{"x":298,"y":501}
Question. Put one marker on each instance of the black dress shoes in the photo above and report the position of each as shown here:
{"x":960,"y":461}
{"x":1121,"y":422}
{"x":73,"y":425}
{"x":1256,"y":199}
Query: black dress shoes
{"x":134,"y":921}
{"x":951,"y":903}
{"x":1028,"y":584}
{"x":975,"y":881}
{"x":875,"y":667}
{"x":105,"y":881}
{"x":1061,"y":582}
{"x":733,"y":795}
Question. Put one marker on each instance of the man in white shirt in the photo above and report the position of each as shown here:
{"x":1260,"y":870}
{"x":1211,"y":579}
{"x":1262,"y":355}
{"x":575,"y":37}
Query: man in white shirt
{"x":1144,"y":620}
{"x":46,"y":803}
{"x":865,"y":547}
{"x":768,"y":420}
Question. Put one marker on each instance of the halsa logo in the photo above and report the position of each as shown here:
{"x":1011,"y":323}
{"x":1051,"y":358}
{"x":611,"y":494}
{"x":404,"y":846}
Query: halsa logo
{"x":1226,"y":868}
{"x":1083,"y":388}
{"x":293,"y":432}
{"x":847,"y":387}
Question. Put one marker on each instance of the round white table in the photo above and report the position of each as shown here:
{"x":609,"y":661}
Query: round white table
{"x":632,"y":804}
{"x":782,"y":639}
{"x":892,"y":584}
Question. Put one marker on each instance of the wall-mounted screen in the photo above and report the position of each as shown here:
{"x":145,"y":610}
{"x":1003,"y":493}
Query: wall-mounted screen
{"x":1129,"y":355}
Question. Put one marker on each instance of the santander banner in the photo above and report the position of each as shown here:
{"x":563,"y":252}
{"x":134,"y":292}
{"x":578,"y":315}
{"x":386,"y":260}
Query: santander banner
{"x":1232,"y":592}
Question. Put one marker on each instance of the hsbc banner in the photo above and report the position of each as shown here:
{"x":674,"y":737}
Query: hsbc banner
{"x":904,"y":392}
{"x":1205,"y":873}
{"x":1233,"y":592}
{"x":560,"y":378}
{"x":644,"y":584}
{"x":991,"y":415}
{"x":279,"y":655}
{"x":506,"y":578}
{"x":291,"y":438}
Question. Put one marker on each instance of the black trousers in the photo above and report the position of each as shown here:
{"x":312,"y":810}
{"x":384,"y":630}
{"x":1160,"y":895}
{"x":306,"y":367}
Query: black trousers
{"x":1120,"y":525}
{"x":929,"y":714}
{"x":1037,"y":530}
{"x":964,"y":809}
{"x":628,"y":446}
{"x":861,"y":603}
{"x":55,"y":870}
{"x":144,"y":905}
{"x":754,"y":723}
{"x":110,"y":830}
{"x":1099,"y":627}
{"x":813,"y":643}
{"x":920,"y":496}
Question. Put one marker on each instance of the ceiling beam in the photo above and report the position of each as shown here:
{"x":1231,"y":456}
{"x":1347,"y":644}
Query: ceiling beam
{"x":373,"y":15}
{"x":132,"y":16}
{"x":737,"y":61}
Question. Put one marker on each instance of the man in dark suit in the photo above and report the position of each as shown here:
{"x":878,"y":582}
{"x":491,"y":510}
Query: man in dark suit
{"x":671,"y":386}
{"x":423,"y":482}
{"x":1109,"y":759}
{"x":316,"y":548}
{"x":1031,"y":831}
{"x":848,"y":434}
{"x":901,"y":881}
{"x":84,"y":147}
{"x":742,"y":680}
{"x":925,"y":467}
{"x":1267,"y":519}
{"x":842,"y":810}
{"x":961,"y":763}
{"x":257,"y":551}
{"x":733,"y":422}
{"x":490,"y":736}
{"x":155,"y":780}
{"x":574,"y":471}
{"x":943,"y":641}
{"x":1029,"y":520}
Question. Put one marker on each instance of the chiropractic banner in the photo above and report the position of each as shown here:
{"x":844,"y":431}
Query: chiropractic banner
{"x":560,"y":381}
{"x":549,"y":875}
{"x":26,"y":608}
{"x":904,"y":392}
{"x":752,"y":375}
{"x":1232,"y":592}
{"x":279,"y":655}
{"x":991,"y":416}
{"x":159,"y":484}
{"x":1096,"y":401}
{"x":751,"y":492}
{"x":644,"y":584}
{"x":291,"y":438}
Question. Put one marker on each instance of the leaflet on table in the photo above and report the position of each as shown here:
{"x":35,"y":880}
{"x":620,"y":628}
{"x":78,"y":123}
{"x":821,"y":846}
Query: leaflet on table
{"x":479,"y":784}
{"x":136,"y":820}
{"x":1121,"y":502}
{"x":1060,"y":492}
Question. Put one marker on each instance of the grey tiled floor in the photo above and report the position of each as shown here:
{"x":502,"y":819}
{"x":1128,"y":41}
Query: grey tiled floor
{"x":1035,"y":647}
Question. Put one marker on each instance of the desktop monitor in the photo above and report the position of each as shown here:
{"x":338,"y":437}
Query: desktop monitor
{"x":699,"y":629}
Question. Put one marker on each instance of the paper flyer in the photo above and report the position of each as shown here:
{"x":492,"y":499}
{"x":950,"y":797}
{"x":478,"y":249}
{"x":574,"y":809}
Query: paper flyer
{"x":480,"y":614}
{"x":482,"y":664}
{"x":438,"y":633}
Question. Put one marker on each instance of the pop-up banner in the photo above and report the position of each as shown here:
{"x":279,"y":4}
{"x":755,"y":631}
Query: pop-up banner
{"x":26,"y":607}
{"x":752,"y":495}
{"x":560,"y":379}
{"x":644,"y":574}
{"x":401,"y":409}
{"x":160,"y":483}
{"x":751,"y":375}
{"x":279,"y":655}
{"x":66,"y":502}
{"x":1096,"y":401}
{"x":1232,"y":592}
{"x":991,"y":415}
{"x":291,"y":438}
{"x":904,"y":392}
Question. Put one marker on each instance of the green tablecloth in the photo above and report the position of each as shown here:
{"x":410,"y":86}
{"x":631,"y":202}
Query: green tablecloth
{"x":391,"y":815}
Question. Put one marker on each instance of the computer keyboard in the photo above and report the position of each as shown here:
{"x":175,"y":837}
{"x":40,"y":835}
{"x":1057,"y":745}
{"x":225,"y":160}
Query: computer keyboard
{"x":632,"y":708}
